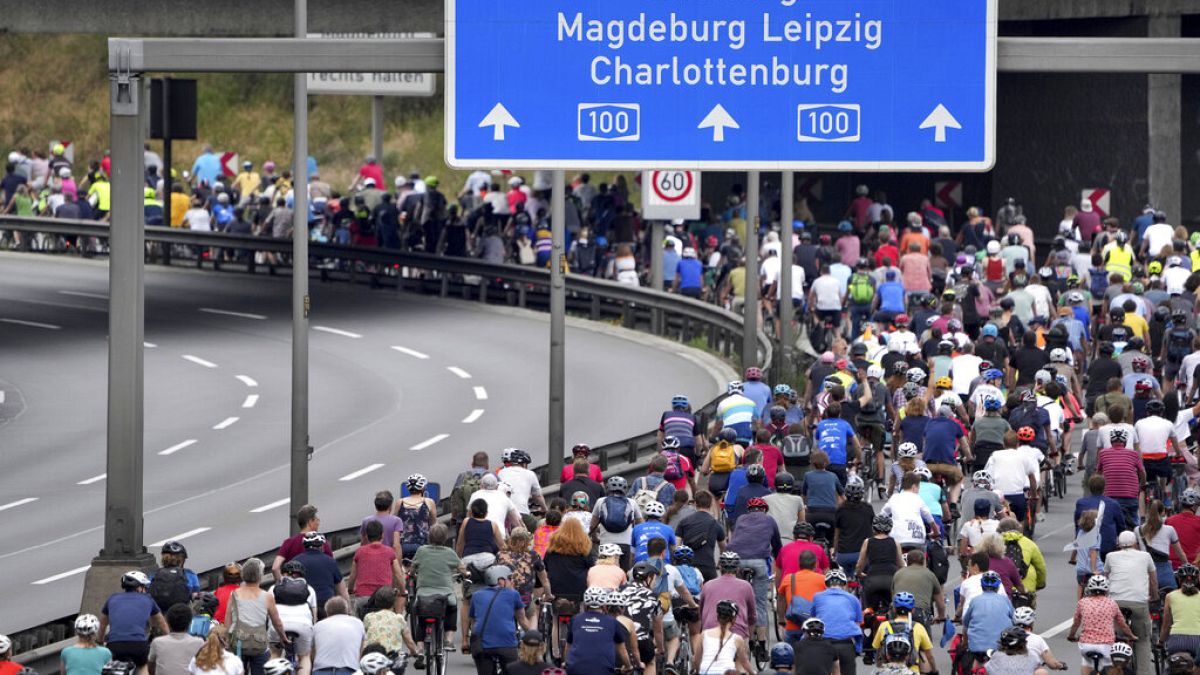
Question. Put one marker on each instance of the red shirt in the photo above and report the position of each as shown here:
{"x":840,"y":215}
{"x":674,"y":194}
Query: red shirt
{"x":1119,"y":466}
{"x":373,"y":171}
{"x":888,"y":251}
{"x":373,"y":564}
{"x":772,"y":461}
{"x":789,"y":556}
{"x":223,"y":593}
{"x":1187,"y":526}
{"x":594,"y":473}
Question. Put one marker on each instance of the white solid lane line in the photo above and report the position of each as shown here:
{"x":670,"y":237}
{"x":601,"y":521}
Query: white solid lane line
{"x":1058,"y":629}
{"x":361,"y":472}
{"x":63,"y":575}
{"x":85,"y":294}
{"x":411,"y":352}
{"x":240,"y":315}
{"x":225,"y":423}
{"x":3,"y":396}
{"x":475,"y":414}
{"x":149,"y":345}
{"x":481,"y":393}
{"x":247,"y":380}
{"x":93,"y":479}
{"x":199,"y":361}
{"x":181,"y":536}
{"x":337,"y":331}
{"x":19,"y":502}
{"x":177,"y":447}
{"x":32,"y":324}
{"x":272,"y":505}
{"x":430,"y":441}
{"x":251,"y":400}
{"x":459,"y":372}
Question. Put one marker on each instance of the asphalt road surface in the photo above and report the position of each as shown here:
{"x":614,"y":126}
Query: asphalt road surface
{"x":399,"y":384}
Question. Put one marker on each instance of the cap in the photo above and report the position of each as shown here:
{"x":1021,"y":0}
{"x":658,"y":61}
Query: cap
{"x":533,"y":638}
{"x":369,"y":182}
{"x":983,"y":507}
{"x":1127,"y":539}
{"x":489,"y":481}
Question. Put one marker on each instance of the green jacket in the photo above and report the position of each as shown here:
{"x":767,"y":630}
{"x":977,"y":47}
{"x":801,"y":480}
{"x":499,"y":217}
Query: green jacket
{"x":1035,"y":575}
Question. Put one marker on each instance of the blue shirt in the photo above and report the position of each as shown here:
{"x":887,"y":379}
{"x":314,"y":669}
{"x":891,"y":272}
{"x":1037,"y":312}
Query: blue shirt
{"x":85,"y":660}
{"x":670,"y":264}
{"x":941,"y":437}
{"x":832,"y":437}
{"x":737,"y":480}
{"x":680,"y":425}
{"x":759,"y":392}
{"x":1129,"y":382}
{"x":501,"y":629}
{"x":987,"y":617}
{"x":651,"y":529}
{"x":592,"y":638}
{"x":690,"y":272}
{"x":913,"y":428}
{"x":1112,"y":522}
{"x":207,"y":168}
{"x":891,"y":296}
{"x":128,"y":613}
{"x":820,"y":489}
{"x":841,"y":613}
{"x":321,"y":572}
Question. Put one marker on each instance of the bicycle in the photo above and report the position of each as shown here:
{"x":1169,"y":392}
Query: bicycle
{"x":758,"y":648}
{"x":435,"y":639}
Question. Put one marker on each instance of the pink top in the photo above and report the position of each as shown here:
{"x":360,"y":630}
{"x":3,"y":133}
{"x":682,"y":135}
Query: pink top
{"x":374,"y":568}
{"x":849,"y":248}
{"x":1096,"y":614}
{"x":789,"y":556}
{"x":594,"y":473}
{"x":915,"y":272}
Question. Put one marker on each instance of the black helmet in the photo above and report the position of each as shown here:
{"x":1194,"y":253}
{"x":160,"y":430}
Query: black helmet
{"x":804,"y":530}
{"x":727,"y":609}
{"x":206,"y":603}
{"x":784,"y":482}
{"x":855,"y":492}
{"x":174,"y":548}
{"x":755,"y":473}
{"x":881,"y":524}
{"x":293,"y":567}
{"x":778,"y":412}
{"x":1013,"y":637}
{"x":1116,"y":314}
{"x":728,"y":434}
{"x":1155,"y":407}
{"x":1162,"y":313}
{"x":1107,"y":348}
{"x":1136,"y":343}
{"x":644,"y":570}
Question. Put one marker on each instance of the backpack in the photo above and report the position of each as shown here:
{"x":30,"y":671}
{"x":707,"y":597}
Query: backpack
{"x":674,"y":470}
{"x":201,"y":625}
{"x":1099,"y":282}
{"x":431,"y":209}
{"x":937,"y":561}
{"x":724,"y":458}
{"x":467,"y":485}
{"x":616,"y":517}
{"x":907,"y":633}
{"x":290,"y":591}
{"x":691,"y":579}
{"x":1179,"y":344}
{"x":796,"y":447}
{"x":799,"y":610}
{"x":861,"y":290}
{"x":170,"y":587}
{"x":1012,"y":551}
{"x":646,"y":494}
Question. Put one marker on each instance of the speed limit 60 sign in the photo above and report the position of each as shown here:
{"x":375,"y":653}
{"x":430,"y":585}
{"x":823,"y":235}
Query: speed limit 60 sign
{"x":671,"y":195}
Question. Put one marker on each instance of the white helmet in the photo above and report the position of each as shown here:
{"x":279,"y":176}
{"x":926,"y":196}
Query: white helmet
{"x":1121,"y":649}
{"x":373,"y":663}
{"x":1097,"y":583}
{"x":5,"y":644}
{"x":1023,"y":616}
{"x":282,"y":666}
{"x":915,"y":375}
{"x":86,"y":625}
{"x":993,"y":247}
{"x":655,"y":509}
{"x":982,"y":478}
{"x":734,"y":387}
{"x":953,"y":400}
{"x":907,"y":449}
{"x":923,"y":472}
{"x":609,"y":551}
{"x":875,"y":371}
{"x":1058,"y":355}
{"x":595,"y":596}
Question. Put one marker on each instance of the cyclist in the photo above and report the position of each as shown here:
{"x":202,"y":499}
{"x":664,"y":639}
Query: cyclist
{"x":784,"y":506}
{"x":842,"y":615}
{"x":804,"y":583}
{"x":320,"y":570}
{"x":756,"y":390}
{"x":878,"y":560}
{"x":498,"y":614}
{"x":387,"y":625}
{"x":124,"y":617}
{"x":838,"y":440}
{"x":1154,"y":439}
{"x":590,"y":644}
{"x":728,"y":587}
{"x":1014,"y":473}
{"x":296,"y":603}
{"x":981,"y":488}
{"x":787,"y":561}
{"x":615,"y":603}
{"x":721,"y":460}
{"x":755,"y":487}
{"x":1179,"y":630}
{"x":614,"y":516}
{"x":907,"y":459}
{"x":607,"y":572}
{"x":920,"y":658}
{"x":417,"y":513}
{"x":526,"y":489}
{"x":782,"y":659}
{"x":822,"y":491}
{"x":701,"y":532}
{"x":85,"y":657}
{"x":1125,"y":473}
{"x":530,"y":655}
{"x":852,"y":525}
{"x":568,"y":562}
{"x":986,"y":617}
{"x":813,"y":653}
{"x":583,"y":451}
{"x":172,"y":584}
{"x":1187,"y":527}
{"x":756,"y":540}
{"x":1134,"y":583}
{"x":912,"y":520}
{"x":721,"y":648}
{"x":1024,"y":617}
{"x":737,"y":411}
{"x":1026,"y":556}
{"x":1014,"y":655}
{"x":373,"y":566}
{"x":1095,"y":615}
{"x":934,"y":497}
{"x":987,"y":431}
{"x":580,"y":509}
{"x":679,"y":423}
{"x":678,"y":470}
{"x":171,"y":653}
{"x":651,"y":528}
{"x":371,"y":663}
{"x":646,"y":610}
{"x":434,"y":565}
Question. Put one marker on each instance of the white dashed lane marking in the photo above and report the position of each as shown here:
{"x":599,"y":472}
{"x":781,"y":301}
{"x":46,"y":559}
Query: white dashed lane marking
{"x":19,"y":502}
{"x":199,"y":361}
{"x":337,"y":331}
{"x":411,"y":352}
{"x":273,"y":505}
{"x":481,"y":393}
{"x":240,"y":315}
{"x":430,"y":441}
{"x":32,"y":324}
{"x":149,"y":345}
{"x":459,"y":372}
{"x":62,"y":575}
{"x":250,"y":401}
{"x":247,"y":380}
{"x":225,"y":423}
{"x":181,"y":536}
{"x":177,"y":447}
{"x":93,"y":479}
{"x":475,"y":414}
{"x":85,"y":294}
{"x":360,"y":473}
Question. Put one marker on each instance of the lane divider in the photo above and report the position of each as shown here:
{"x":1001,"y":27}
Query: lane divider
{"x":337,"y":331}
{"x":481,"y":393}
{"x":251,"y":400}
{"x":240,"y":315}
{"x":430,"y":441}
{"x":19,"y":502}
{"x":225,"y":423}
{"x":273,"y":505}
{"x":181,"y":536}
{"x":199,"y":361}
{"x":177,"y":447}
{"x":411,"y":352}
{"x":32,"y":324}
{"x":85,"y":294}
{"x":475,"y":414}
{"x":459,"y":372}
{"x":247,"y":380}
{"x":93,"y":479}
{"x":360,"y":473}
{"x":62,"y":575}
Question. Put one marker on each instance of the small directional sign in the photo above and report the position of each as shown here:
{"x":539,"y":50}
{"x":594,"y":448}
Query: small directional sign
{"x":872,"y":85}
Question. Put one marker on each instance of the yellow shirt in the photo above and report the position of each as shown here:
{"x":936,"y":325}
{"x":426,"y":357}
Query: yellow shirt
{"x":919,"y":635}
{"x":737,"y":281}
{"x":246,"y":183}
{"x":103,"y":191}
{"x":1138,"y":325}
{"x":738,"y":225}
{"x":179,"y":205}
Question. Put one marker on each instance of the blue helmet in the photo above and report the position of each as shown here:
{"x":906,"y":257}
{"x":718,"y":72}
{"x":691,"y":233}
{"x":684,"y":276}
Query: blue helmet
{"x":992,"y":403}
{"x":993,"y":374}
{"x":782,"y":390}
{"x":782,"y":655}
{"x":990,"y":581}
{"x":682,"y":555}
{"x":990,"y":330}
{"x":679,"y":401}
{"x":904,"y":600}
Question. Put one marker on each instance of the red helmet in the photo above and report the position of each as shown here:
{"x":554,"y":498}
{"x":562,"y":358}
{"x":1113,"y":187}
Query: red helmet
{"x":841,"y":364}
{"x":581,"y":449}
{"x":1140,"y":365}
{"x":753,"y":373}
{"x":1026,"y":434}
{"x":902,"y":320}
{"x":756,"y":503}
{"x":1142,"y":385}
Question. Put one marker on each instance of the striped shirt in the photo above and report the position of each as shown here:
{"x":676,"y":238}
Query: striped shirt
{"x":681,"y":425}
{"x":736,"y":409}
{"x":1119,"y":466}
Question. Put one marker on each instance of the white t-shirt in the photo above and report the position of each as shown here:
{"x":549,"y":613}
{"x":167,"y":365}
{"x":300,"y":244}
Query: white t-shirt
{"x":1175,"y":278}
{"x":828,"y":292}
{"x":1153,"y":433}
{"x":963,"y":370}
{"x":1036,"y":645}
{"x":1105,"y":436}
{"x":291,"y":615}
{"x":198,"y":219}
{"x":337,"y":641}
{"x":981,"y":392}
{"x":1010,"y":469}
{"x":524,"y":485}
{"x":1157,"y":236}
{"x":797,"y":284}
{"x":1183,"y":430}
{"x":1042,"y":300}
{"x":768,"y":270}
{"x":499,"y":506}
{"x":973,"y":530}
{"x":1054,"y":409}
{"x":584,"y":518}
{"x":1129,"y":572}
{"x":230,"y":665}
{"x":909,"y":515}
{"x":1187,"y":367}
{"x":968,"y":590}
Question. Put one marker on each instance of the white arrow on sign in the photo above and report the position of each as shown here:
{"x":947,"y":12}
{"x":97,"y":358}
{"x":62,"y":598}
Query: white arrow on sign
{"x":939,"y":119}
{"x":499,"y":118}
{"x":718,"y":118}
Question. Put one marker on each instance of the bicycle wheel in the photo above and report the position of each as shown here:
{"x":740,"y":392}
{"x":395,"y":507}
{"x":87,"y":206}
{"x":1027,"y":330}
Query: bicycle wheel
{"x":758,"y":651}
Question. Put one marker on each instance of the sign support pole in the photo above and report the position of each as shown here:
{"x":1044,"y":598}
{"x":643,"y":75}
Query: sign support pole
{"x":750,"y":325}
{"x":656,"y":272}
{"x":300,"y":299}
{"x":558,"y":310}
{"x":786,"y":311}
{"x":377,"y":131}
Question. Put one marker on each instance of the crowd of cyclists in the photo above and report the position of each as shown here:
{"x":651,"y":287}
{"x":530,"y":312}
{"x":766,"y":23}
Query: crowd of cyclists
{"x":829,"y":528}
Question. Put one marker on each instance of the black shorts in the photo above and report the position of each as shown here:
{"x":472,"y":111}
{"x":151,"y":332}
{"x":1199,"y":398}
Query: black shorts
{"x":1160,"y":468}
{"x":134,"y":652}
{"x":646,"y":651}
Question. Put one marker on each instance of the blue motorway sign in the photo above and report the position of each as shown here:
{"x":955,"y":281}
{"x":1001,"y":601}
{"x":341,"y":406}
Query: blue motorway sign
{"x":861,"y":85}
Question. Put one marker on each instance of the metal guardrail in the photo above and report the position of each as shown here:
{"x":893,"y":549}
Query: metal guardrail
{"x":598,"y":299}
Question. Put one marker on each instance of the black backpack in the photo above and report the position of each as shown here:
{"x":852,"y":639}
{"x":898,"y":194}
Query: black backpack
{"x":1012,"y":551}
{"x":1179,"y":343}
{"x":170,"y":587}
{"x":291,"y":591}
